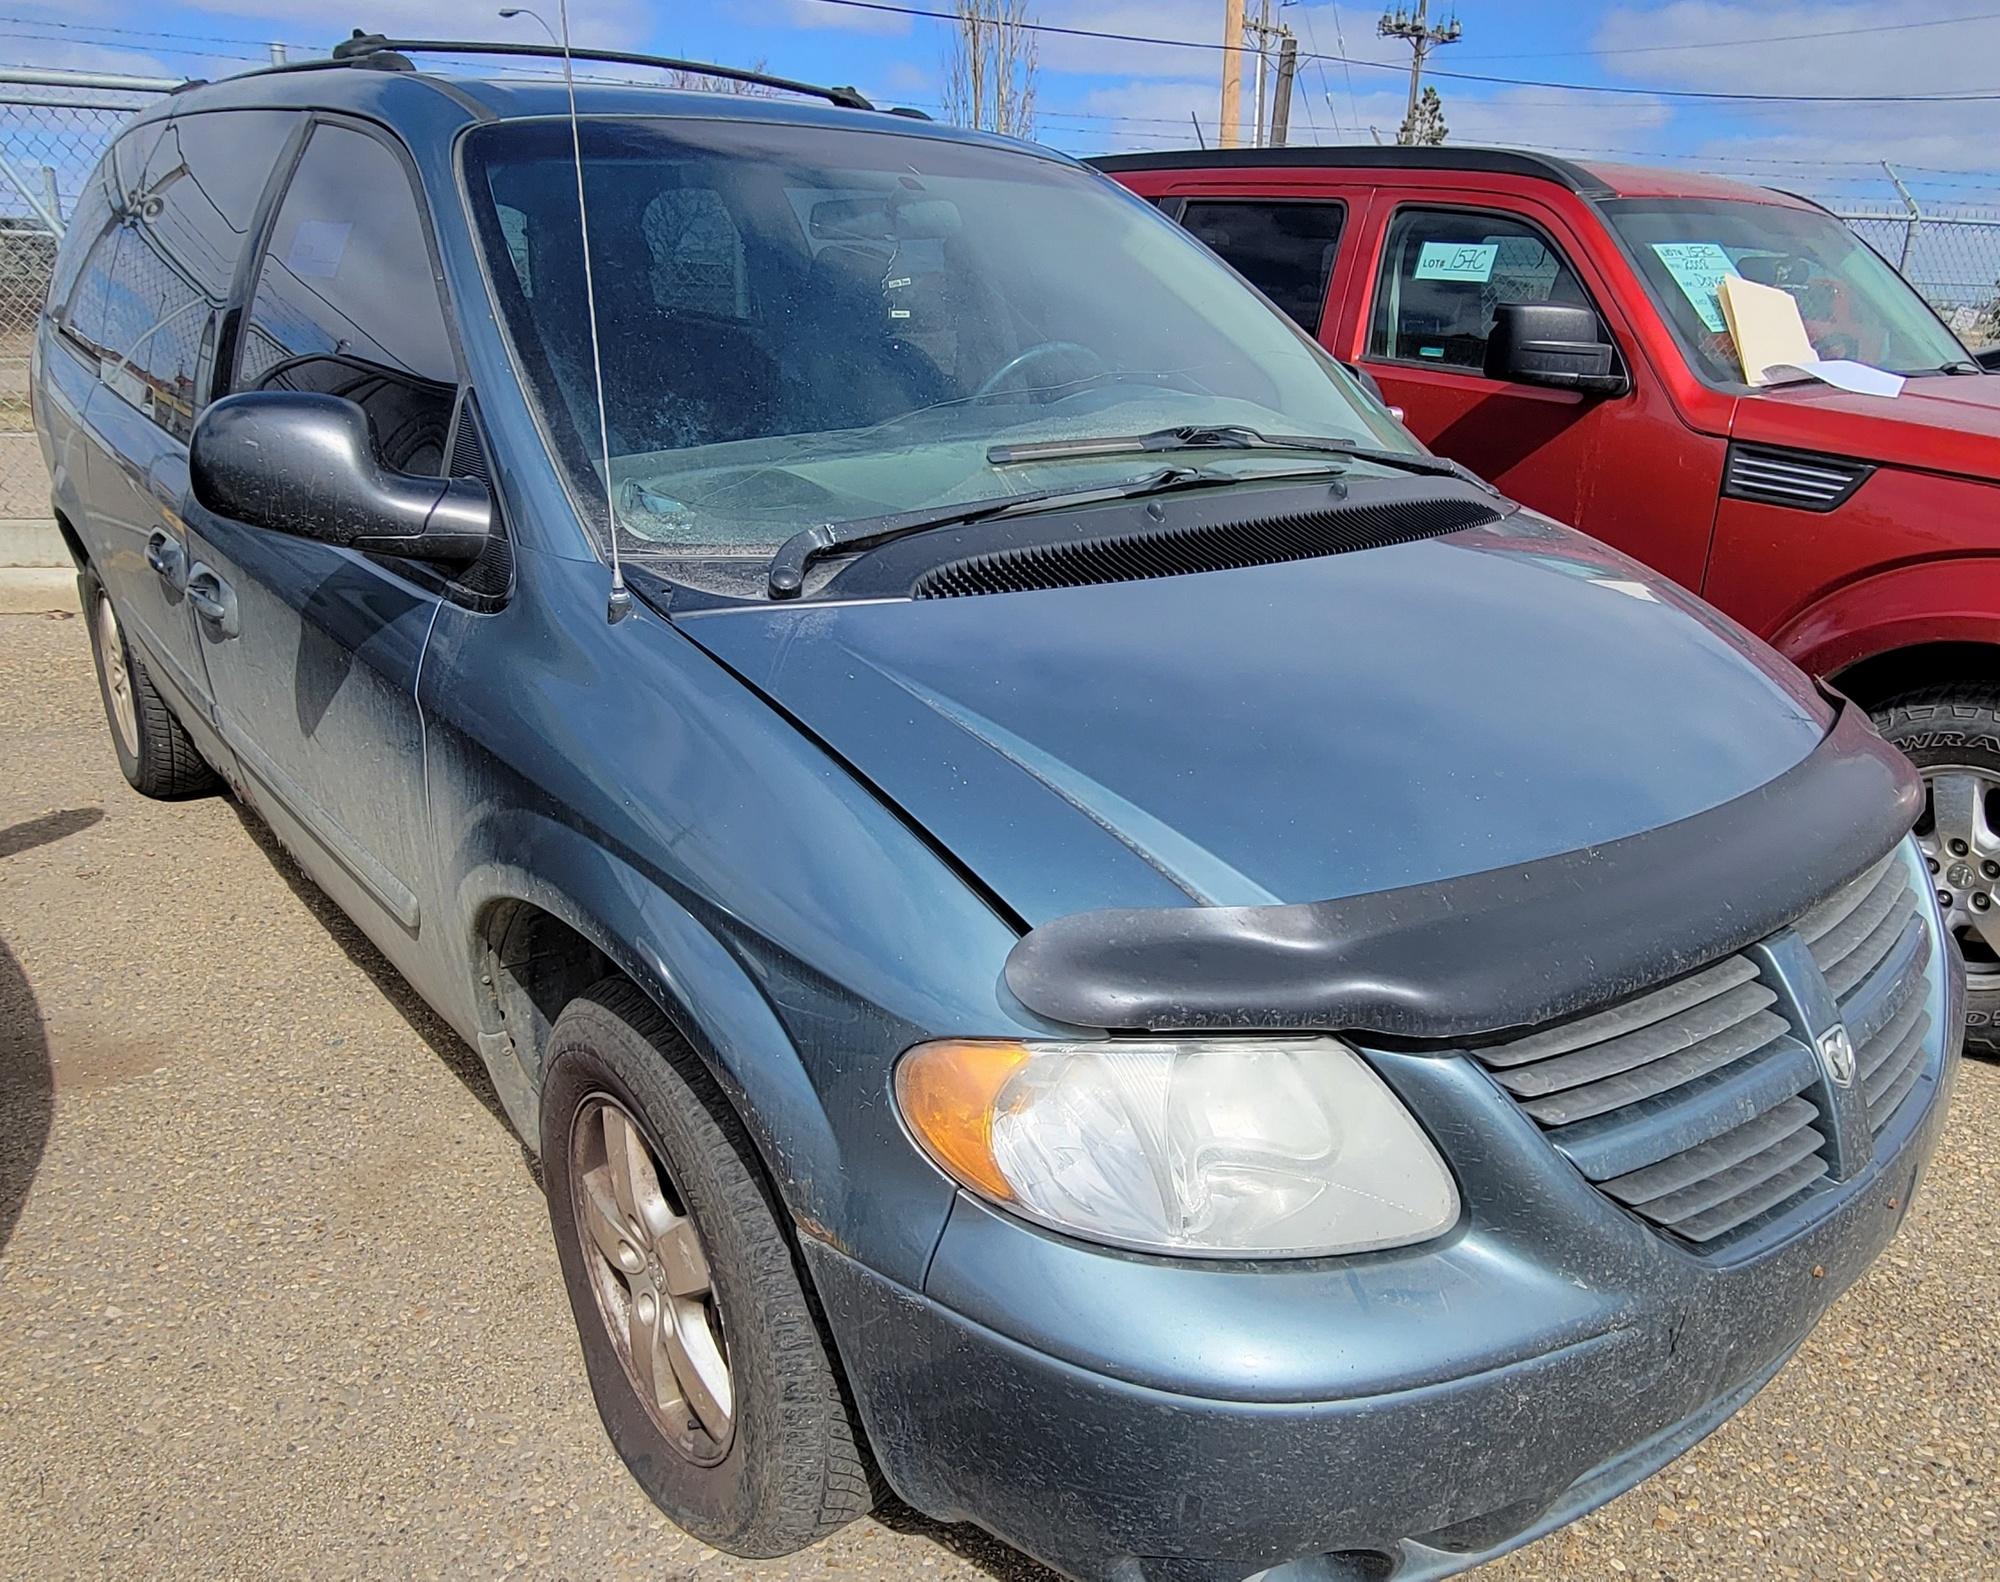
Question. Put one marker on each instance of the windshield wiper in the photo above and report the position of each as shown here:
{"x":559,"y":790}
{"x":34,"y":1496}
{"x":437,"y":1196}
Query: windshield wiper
{"x":1221,"y":436}
{"x":788,"y":566}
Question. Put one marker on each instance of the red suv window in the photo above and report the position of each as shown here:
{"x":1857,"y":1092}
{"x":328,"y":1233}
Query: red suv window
{"x":1443,"y":273}
{"x":1284,"y":249}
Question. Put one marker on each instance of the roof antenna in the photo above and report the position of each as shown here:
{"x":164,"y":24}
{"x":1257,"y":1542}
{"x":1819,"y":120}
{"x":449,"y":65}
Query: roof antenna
{"x":619,"y":605}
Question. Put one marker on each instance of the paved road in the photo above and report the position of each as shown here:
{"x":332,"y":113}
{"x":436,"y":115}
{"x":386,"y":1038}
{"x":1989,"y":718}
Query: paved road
{"x":277,"y":1297}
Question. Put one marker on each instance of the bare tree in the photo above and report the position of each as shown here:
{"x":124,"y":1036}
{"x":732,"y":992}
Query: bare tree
{"x":989,"y":75}
{"x":702,"y":82}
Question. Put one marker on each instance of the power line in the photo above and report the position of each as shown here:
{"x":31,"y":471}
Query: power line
{"x":133,"y":32}
{"x":1733,"y":43}
{"x":1318,"y":56}
{"x":1713,"y":96}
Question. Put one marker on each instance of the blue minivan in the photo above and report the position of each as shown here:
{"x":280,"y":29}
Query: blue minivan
{"x":1082,"y":929}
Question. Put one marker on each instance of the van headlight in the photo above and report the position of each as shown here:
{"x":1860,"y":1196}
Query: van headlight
{"x":1220,"y":1147}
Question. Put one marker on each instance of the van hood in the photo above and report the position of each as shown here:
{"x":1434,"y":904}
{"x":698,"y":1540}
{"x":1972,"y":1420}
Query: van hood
{"x":1940,"y":423}
{"x":1286,"y":733}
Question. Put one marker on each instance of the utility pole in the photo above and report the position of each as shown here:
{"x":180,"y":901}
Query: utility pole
{"x":1262,"y":28}
{"x":1422,"y":38}
{"x":1281,"y":103}
{"x":1232,"y":71}
{"x":277,"y":54}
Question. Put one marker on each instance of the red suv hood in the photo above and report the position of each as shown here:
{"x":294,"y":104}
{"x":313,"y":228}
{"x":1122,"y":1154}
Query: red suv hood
{"x":1940,"y":423}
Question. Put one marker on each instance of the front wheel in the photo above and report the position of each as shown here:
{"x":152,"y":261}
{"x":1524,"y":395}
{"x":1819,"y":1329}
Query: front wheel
{"x":710,"y":1365}
{"x":1952,"y":735}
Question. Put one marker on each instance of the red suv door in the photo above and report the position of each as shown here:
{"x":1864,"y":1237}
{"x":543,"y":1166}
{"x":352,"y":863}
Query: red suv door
{"x":1623,"y":468}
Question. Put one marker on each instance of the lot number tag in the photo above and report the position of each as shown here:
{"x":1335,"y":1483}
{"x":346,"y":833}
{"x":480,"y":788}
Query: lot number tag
{"x":1698,"y":268}
{"x":1456,"y":261}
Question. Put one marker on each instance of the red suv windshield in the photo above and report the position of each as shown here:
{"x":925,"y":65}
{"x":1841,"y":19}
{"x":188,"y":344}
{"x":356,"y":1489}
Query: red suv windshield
{"x":1853,"y":303}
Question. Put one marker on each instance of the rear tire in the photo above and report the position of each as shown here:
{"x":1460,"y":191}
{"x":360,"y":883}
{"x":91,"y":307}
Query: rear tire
{"x":1952,"y":735}
{"x":766,"y":1460}
{"x":153,"y":751}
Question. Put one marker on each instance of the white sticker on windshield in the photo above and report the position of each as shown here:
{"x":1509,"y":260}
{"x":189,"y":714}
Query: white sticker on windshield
{"x":1456,"y":261}
{"x":1698,"y":268}
{"x":317,"y":248}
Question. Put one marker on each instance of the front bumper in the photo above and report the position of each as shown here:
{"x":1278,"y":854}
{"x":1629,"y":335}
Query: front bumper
{"x":1405,"y":1414}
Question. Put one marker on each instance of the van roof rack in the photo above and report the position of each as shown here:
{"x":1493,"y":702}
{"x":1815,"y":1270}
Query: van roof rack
{"x":372,"y":49}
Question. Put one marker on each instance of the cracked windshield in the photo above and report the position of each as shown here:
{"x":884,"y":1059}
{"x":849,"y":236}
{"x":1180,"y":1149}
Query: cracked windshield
{"x":803,"y":326}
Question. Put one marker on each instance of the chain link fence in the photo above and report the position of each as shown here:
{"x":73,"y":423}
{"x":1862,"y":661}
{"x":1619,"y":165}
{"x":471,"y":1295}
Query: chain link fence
{"x":54,"y":125}
{"x":51,"y":135}
{"x":1952,"y":257}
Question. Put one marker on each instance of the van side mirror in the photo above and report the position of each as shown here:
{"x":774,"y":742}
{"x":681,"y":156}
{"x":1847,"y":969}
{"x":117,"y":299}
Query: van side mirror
{"x":1555,"y":344}
{"x":1368,"y":382}
{"x":305,"y":464}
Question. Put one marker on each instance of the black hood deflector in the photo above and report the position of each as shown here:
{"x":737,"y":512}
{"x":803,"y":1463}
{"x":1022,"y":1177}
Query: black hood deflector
{"x":1490,"y":952}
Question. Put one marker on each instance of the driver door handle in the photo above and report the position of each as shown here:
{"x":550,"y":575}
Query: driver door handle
{"x":213,"y":600}
{"x":165,"y":555}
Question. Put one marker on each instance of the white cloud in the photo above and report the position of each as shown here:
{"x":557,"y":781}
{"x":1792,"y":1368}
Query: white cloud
{"x":1156,"y":114}
{"x":836,"y":18}
{"x":1828,"y":60}
{"x":609,"y":24}
{"x":63,"y":55}
{"x":1319,"y":28}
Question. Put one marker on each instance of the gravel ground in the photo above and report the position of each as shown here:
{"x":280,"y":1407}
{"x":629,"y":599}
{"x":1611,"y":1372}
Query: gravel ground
{"x":277,"y":1296}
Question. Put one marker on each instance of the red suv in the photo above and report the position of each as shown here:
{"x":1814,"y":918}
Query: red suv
{"x":1556,"y":328}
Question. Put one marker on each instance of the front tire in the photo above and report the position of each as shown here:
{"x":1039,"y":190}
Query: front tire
{"x":154,"y":753}
{"x":707,"y":1357}
{"x":1952,"y":735}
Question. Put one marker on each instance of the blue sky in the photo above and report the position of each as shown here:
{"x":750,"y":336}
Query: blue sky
{"x":1095,"y":95}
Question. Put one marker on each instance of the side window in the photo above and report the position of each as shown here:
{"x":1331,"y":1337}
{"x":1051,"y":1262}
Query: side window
{"x":1443,"y":273}
{"x":181,"y":242}
{"x":87,"y":315}
{"x":347,"y":300}
{"x":1286,"y":250}
{"x":696,"y":254}
{"x":514,"y":227}
{"x":84,"y":236}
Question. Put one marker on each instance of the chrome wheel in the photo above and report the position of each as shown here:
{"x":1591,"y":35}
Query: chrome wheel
{"x":1960,"y":834}
{"x":651,"y":1279}
{"x":117,"y":677}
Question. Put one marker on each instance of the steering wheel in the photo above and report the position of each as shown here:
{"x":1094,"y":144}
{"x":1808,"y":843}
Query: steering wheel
{"x":993,"y":383}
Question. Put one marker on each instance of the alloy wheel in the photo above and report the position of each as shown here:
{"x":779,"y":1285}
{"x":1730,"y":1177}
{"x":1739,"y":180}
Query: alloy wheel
{"x":1960,"y":835}
{"x":651,"y":1278}
{"x":117,"y":676}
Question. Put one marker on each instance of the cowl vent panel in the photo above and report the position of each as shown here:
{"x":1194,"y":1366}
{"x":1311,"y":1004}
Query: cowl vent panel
{"x":1218,"y":546}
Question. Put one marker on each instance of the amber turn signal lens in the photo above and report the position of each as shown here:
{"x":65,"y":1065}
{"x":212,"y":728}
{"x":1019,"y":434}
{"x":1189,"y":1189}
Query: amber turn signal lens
{"x":947,"y":1091}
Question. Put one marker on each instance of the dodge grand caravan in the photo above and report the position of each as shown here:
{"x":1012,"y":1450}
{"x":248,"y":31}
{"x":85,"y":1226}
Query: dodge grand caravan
{"x":1856,"y":534}
{"x":1074,"y":919}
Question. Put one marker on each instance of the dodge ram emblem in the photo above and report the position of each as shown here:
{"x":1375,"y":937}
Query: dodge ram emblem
{"x":1836,"y":1053}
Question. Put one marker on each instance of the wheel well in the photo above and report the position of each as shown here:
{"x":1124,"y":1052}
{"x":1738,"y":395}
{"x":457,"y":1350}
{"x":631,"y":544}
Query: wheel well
{"x":1874,"y":681}
{"x":534,"y":965}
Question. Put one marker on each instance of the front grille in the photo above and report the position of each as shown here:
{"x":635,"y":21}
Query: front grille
{"x":1682,"y":1104}
{"x":1870,"y":941}
{"x":1214,"y":546}
{"x":1789,"y":477}
{"x":1695,"y":1105}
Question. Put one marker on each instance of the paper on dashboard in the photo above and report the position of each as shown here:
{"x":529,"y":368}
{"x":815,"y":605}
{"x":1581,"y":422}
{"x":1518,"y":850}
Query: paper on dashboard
{"x":1765,"y":324}
{"x":1771,"y":342}
{"x":1843,"y":374}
